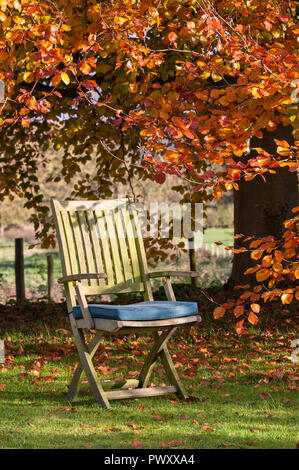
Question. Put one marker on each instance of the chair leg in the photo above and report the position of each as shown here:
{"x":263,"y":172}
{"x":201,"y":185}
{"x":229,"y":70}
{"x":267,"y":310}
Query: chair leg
{"x":86,"y":361}
{"x":172,"y":373}
{"x":160,"y":349}
{"x":75,"y":384}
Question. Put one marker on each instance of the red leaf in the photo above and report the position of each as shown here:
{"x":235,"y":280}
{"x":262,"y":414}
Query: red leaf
{"x":265,"y":395}
{"x":160,"y":177}
{"x":136,"y":445}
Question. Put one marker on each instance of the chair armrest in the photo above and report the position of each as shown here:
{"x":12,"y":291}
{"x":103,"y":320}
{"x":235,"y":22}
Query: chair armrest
{"x":167,"y":283}
{"x":79,"y":277}
{"x":174,"y":274}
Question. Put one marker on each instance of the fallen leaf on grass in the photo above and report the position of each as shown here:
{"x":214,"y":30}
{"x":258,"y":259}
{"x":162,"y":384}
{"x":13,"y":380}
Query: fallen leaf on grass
{"x":191,"y":399}
{"x":62,"y":331}
{"x":265,"y":396}
{"x":136,"y":445}
{"x":111,"y":429}
{"x":135,"y":426}
{"x":172,"y":444}
{"x":2,"y":386}
{"x":194,"y":436}
{"x":226,"y":444}
{"x":88,"y":445}
{"x":251,"y":443}
{"x":207,"y":428}
{"x":159,"y":418}
{"x":86,"y":425}
{"x":184,"y":416}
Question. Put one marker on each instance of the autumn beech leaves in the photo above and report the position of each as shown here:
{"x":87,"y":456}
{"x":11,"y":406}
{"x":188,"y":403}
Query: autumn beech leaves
{"x":276,"y":264}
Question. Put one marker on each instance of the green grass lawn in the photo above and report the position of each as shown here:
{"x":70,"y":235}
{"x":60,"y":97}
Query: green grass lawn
{"x":224,"y":235}
{"x":243,"y":389}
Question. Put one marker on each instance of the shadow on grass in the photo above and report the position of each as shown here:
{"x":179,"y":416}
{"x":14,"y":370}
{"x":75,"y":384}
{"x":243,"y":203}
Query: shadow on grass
{"x":66,"y":424}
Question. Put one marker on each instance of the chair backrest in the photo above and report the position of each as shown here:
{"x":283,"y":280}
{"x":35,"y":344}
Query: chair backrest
{"x":101,"y":236}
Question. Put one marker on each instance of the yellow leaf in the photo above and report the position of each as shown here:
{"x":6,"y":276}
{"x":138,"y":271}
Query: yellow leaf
{"x":205,"y":74}
{"x":65,"y":78}
{"x":216,"y":78}
{"x":121,"y":20}
{"x":255,"y":92}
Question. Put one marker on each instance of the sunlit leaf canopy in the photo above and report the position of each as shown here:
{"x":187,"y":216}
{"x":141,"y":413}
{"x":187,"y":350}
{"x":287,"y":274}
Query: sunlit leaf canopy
{"x":150,"y":87}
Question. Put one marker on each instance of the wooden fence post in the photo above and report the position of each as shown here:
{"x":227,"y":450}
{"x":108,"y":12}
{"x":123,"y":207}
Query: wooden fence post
{"x":2,"y":354}
{"x":19,"y":270}
{"x":50,"y":275}
{"x":192,"y":258}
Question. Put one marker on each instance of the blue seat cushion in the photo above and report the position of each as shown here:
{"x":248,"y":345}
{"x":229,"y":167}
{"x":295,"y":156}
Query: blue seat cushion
{"x":155,"y":310}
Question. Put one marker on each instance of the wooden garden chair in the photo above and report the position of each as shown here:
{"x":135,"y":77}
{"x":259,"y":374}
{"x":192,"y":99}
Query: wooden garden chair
{"x":102,"y":252}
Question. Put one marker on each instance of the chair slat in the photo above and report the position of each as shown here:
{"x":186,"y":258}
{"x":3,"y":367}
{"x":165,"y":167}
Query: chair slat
{"x":121,"y":234}
{"x":141,"y":253}
{"x":95,"y":244}
{"x":105,"y":246}
{"x":118,"y":271}
{"x":89,"y":257}
{"x":131,"y":243}
{"x":79,"y":245}
{"x":68,"y":234}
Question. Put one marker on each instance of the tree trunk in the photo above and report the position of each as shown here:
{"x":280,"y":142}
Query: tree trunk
{"x":261,"y":207}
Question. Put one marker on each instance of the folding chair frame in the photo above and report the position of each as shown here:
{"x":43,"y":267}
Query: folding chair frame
{"x":104,"y":390}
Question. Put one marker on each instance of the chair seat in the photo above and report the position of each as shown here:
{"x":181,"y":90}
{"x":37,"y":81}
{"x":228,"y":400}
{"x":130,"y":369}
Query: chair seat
{"x":143,"y":311}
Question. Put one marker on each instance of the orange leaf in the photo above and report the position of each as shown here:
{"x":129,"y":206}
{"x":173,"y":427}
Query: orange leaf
{"x":56,"y":80}
{"x":253,"y":318}
{"x":255,"y":308}
{"x":239,"y":310}
{"x":217,"y":192}
{"x":267,"y":261}
{"x":262,"y":274}
{"x":286,"y":298}
{"x":277,"y":267}
{"x":172,"y":37}
{"x":219,"y":312}
{"x":239,"y":327}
